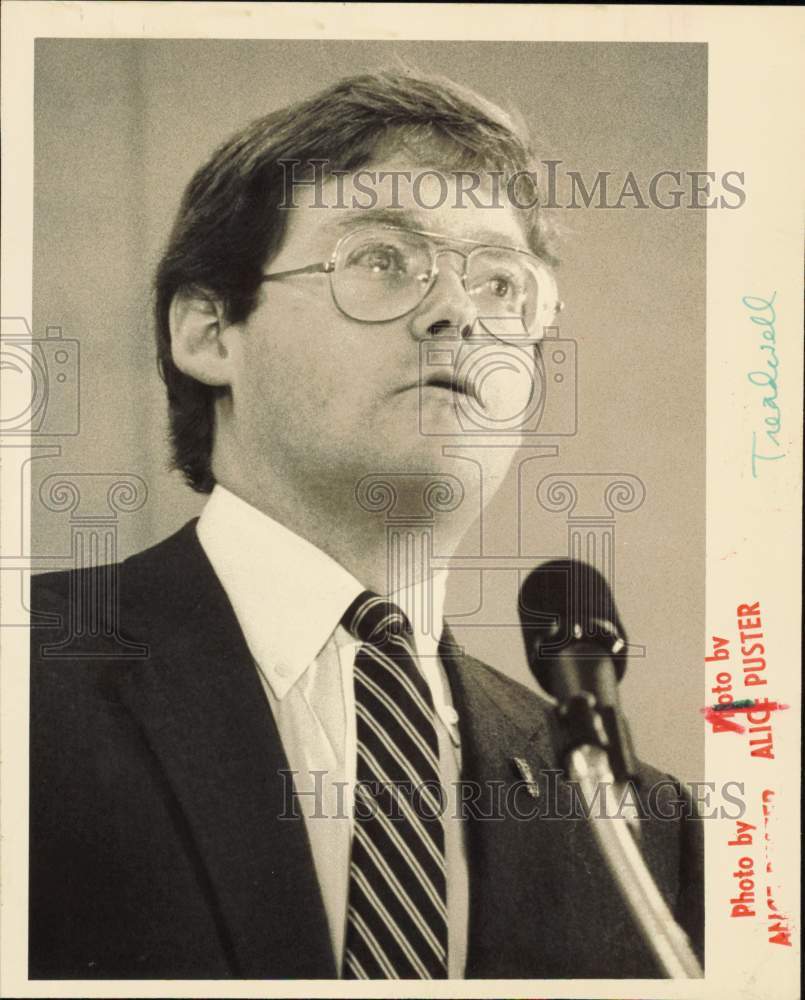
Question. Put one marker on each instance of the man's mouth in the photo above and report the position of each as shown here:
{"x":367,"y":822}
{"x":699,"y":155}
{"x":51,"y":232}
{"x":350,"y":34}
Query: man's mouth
{"x":451,"y":383}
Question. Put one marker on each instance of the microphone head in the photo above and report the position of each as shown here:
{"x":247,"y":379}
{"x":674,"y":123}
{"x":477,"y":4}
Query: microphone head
{"x":567,"y":612}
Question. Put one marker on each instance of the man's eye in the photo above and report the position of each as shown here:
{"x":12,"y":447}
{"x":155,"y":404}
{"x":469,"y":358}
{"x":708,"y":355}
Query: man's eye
{"x":378,"y":259}
{"x":500,"y":286}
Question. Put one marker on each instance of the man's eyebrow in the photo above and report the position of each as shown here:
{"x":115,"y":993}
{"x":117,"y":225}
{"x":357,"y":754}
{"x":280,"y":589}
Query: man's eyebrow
{"x":404,"y":218}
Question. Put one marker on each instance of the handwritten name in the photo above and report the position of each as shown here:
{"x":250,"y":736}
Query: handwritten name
{"x":764,"y":316}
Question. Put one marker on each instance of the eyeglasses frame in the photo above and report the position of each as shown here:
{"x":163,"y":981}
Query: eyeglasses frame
{"x":328,"y":267}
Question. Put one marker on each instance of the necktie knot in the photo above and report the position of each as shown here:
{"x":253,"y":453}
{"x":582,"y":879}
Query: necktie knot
{"x":375,"y":620}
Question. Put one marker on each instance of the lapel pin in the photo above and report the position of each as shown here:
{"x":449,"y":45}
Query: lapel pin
{"x":524,"y":769}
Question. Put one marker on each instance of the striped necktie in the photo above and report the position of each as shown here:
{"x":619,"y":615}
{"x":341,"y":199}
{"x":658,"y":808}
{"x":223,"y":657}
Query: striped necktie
{"x":397,"y":918}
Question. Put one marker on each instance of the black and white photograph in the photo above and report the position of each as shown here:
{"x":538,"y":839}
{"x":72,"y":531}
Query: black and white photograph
{"x":403,"y":553}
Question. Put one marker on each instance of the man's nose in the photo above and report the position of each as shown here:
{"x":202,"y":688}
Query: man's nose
{"x":447,"y":308}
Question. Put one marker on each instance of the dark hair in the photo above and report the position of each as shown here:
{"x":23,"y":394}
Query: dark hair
{"x":229,"y":223}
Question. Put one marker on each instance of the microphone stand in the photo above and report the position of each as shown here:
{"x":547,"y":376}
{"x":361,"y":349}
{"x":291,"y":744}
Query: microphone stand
{"x":588,"y":744}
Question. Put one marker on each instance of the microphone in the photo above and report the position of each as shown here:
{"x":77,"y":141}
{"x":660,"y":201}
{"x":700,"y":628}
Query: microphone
{"x":576,"y":649}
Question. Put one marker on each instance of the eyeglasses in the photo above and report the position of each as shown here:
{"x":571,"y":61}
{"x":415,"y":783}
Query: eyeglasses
{"x":381,"y":273}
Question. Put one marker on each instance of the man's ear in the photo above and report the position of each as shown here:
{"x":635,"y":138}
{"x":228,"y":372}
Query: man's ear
{"x":197,"y":323}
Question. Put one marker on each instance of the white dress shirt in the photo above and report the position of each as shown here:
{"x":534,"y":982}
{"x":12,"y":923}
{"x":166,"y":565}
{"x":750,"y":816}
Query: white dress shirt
{"x":289,"y":598}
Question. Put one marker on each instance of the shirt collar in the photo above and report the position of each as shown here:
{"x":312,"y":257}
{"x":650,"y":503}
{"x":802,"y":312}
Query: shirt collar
{"x":288,"y":595}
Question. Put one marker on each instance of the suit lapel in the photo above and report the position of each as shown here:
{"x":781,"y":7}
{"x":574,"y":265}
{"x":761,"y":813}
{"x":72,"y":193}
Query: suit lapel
{"x":205,"y":716}
{"x":539,"y":897}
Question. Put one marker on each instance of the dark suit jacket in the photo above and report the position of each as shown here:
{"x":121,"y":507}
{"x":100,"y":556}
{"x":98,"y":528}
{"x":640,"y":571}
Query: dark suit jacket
{"x":155,"y":847}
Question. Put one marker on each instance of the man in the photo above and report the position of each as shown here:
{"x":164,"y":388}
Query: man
{"x":299,"y":779}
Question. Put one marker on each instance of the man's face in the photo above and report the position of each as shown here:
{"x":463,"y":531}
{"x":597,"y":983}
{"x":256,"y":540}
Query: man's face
{"x":318,"y":396}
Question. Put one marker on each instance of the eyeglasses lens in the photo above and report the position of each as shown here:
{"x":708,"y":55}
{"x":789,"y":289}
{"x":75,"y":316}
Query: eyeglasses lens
{"x":504,"y":285}
{"x":380,"y":275}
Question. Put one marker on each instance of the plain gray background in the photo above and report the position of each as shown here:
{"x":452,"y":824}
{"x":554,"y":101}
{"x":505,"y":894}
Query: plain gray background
{"x":120,"y":126}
